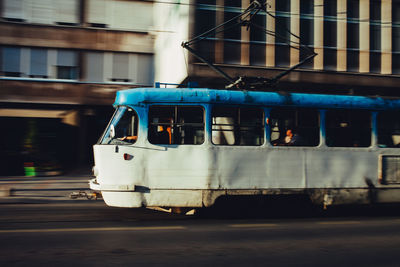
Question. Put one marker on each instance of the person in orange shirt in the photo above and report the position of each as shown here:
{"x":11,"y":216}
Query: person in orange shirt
{"x":292,"y":139}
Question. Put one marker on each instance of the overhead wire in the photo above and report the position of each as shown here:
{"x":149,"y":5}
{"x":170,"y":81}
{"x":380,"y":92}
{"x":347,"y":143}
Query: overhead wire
{"x":245,"y":18}
{"x":288,"y":13}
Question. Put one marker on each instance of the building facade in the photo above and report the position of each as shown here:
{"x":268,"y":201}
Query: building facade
{"x":357,"y":42}
{"x":61,"y":63}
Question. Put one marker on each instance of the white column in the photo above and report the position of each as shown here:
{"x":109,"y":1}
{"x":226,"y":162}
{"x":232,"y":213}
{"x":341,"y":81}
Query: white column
{"x":364,"y":36}
{"x":319,"y":34}
{"x":341,"y":35}
{"x":295,"y":29}
{"x":386,"y":36}
{"x":270,"y":53}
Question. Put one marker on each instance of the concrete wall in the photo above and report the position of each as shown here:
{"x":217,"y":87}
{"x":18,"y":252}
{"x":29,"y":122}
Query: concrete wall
{"x":172,"y":24}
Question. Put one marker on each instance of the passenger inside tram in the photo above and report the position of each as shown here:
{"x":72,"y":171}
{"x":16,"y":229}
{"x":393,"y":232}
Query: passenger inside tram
{"x":292,"y":138}
{"x":161,"y":132}
{"x":164,"y":135}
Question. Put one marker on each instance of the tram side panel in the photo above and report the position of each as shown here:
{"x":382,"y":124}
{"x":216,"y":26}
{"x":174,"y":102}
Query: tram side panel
{"x":341,"y":168}
{"x":177,"y":175}
{"x":257,"y":168}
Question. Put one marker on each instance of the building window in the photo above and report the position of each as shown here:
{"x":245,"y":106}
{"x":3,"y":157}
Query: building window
{"x":258,"y":40}
{"x":294,"y":127}
{"x":66,"y":72}
{"x":11,"y":61}
{"x":94,"y":66}
{"x":120,"y":14}
{"x":38,"y":63}
{"x":13,"y":10}
{"x":180,"y":125}
{"x":120,"y":70}
{"x":237,"y":126}
{"x":375,"y":36}
{"x":395,"y":37}
{"x":282,"y":31}
{"x":119,"y":67}
{"x":306,"y":30}
{"x":66,"y":12}
{"x":97,"y":13}
{"x":67,"y":65}
{"x":330,"y":35}
{"x":205,"y":18}
{"x":145,"y":74}
{"x":353,"y":35}
{"x":42,"y":11}
{"x":348,"y":128}
{"x":232,"y":36}
{"x":389,"y":129}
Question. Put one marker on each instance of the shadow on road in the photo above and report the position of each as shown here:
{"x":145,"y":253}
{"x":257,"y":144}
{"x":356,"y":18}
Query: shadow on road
{"x":290,"y":207}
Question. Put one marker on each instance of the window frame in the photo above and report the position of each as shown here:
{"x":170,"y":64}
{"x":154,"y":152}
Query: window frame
{"x":350,"y":111}
{"x":175,"y":124}
{"x":379,"y":128}
{"x":106,"y":132}
{"x":297,"y":109}
{"x":237,"y":126}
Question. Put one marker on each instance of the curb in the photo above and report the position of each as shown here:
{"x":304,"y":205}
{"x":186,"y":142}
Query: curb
{"x":22,"y":200}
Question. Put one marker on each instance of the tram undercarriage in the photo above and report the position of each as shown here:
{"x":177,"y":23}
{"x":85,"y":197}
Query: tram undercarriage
{"x":135,"y":197}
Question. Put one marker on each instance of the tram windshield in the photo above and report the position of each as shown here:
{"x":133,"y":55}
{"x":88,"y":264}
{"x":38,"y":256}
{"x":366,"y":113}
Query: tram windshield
{"x":122,"y":129}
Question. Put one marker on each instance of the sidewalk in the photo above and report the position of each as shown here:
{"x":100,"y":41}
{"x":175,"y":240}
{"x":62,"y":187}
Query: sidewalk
{"x":36,"y":190}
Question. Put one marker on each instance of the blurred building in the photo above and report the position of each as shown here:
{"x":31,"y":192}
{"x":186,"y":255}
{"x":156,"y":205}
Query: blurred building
{"x":357,"y":41}
{"x":61,"y":62}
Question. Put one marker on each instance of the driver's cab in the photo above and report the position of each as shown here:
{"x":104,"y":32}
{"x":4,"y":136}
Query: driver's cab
{"x":123,"y":128}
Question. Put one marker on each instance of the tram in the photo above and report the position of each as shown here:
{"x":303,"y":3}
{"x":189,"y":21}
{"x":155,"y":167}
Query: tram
{"x":188,"y":147}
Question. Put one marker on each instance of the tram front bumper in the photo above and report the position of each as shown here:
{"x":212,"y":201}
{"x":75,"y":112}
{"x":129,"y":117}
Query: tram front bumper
{"x":94,"y":185}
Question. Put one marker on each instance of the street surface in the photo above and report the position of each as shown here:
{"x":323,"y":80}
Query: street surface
{"x":92,"y":234}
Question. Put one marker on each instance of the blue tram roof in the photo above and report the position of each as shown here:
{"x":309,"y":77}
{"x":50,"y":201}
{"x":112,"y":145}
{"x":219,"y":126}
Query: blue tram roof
{"x":252,"y":98}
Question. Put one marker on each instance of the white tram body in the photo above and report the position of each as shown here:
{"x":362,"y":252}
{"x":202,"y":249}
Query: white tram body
{"x":224,"y":143}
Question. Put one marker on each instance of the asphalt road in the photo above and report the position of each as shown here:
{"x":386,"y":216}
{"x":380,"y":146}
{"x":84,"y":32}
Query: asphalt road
{"x":92,"y":234}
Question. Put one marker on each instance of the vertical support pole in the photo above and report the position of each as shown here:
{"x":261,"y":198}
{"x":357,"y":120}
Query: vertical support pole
{"x":319,"y":34}
{"x":208,"y":129}
{"x":374,"y":126}
{"x":386,"y":37}
{"x":341,"y":35}
{"x":322,"y":127}
{"x":267,"y":113}
{"x":295,"y":29}
{"x":270,"y":53}
{"x":364,"y":36}
{"x":245,"y":40}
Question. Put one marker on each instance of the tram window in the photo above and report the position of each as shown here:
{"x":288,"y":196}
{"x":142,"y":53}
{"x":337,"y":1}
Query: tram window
{"x":180,"y":125}
{"x":294,"y":127}
{"x":123,"y":128}
{"x":389,"y":129}
{"x":237,"y":126}
{"x":348,"y":128}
